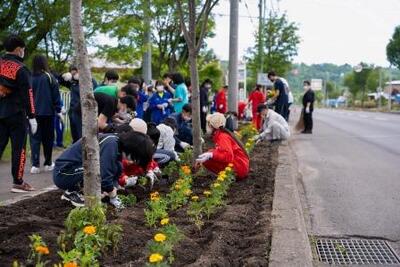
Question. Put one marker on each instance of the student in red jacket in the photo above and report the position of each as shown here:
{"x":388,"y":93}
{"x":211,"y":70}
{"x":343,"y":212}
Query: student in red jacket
{"x":256,"y":98}
{"x":227,"y":149}
{"x":220,"y":100}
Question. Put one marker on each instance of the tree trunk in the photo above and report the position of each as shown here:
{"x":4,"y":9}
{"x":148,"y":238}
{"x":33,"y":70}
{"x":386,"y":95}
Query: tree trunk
{"x":194,"y":79}
{"x":90,"y":144}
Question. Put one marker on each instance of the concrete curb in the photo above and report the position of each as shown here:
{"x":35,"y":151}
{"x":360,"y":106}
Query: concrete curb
{"x":290,"y":244}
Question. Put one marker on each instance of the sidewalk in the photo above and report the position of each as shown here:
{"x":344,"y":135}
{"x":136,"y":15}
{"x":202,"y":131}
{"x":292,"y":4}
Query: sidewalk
{"x":41,"y":182}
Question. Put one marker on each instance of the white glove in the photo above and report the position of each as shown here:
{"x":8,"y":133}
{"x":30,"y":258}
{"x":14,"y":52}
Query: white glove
{"x":33,"y":124}
{"x":184,"y":145}
{"x":204,"y":157}
{"x":157,"y":171}
{"x":165,"y":105}
{"x":67,"y":76}
{"x":257,"y":137}
{"x":204,"y":109}
{"x":116,"y":202}
{"x":307,"y":110}
{"x":131,"y":181}
{"x":152,"y":177}
{"x":221,"y":106}
{"x":202,"y":140}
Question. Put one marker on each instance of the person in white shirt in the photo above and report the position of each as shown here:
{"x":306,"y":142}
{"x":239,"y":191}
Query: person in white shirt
{"x":166,"y":144}
{"x":274,"y":126}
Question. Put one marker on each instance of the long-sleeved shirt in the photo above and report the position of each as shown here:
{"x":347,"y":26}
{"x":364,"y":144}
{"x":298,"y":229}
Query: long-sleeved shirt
{"x":15,"y":81}
{"x":309,"y":97}
{"x":167,"y":140}
{"x":220,"y":101}
{"x":272,"y":117}
{"x":47,"y":94}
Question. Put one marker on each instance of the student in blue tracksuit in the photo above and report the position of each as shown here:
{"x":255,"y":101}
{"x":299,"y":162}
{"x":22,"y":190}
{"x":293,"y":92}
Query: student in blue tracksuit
{"x":71,"y":81}
{"x":160,"y":104}
{"x":68,"y":171}
{"x":59,"y":128}
{"x":184,"y":135}
{"x":142,"y":97}
{"x":48,"y":104}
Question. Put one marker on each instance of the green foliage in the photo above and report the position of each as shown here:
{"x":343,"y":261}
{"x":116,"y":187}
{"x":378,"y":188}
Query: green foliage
{"x":393,"y":48}
{"x":155,"y":211}
{"x":171,"y":170}
{"x":38,"y":250}
{"x":213,"y":72}
{"x":279,"y":45}
{"x":186,"y":157}
{"x":128,"y":200}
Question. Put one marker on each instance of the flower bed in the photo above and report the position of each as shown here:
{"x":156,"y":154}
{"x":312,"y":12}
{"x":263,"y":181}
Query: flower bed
{"x":234,"y":234}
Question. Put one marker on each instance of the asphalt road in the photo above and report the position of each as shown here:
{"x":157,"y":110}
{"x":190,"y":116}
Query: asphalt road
{"x":350,"y":170}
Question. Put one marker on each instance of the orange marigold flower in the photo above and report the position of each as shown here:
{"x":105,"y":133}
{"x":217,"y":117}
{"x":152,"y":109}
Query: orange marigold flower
{"x":42,"y":250}
{"x":71,"y":264}
{"x":89,"y":230}
{"x":186,"y":169}
{"x":230,"y":165}
{"x":155,"y":196}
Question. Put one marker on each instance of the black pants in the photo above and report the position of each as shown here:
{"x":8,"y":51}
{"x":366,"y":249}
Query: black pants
{"x":308,"y":122}
{"x":203,"y":116}
{"x":282,"y":109}
{"x":44,"y":136}
{"x":15,"y":128}
{"x":75,"y":119}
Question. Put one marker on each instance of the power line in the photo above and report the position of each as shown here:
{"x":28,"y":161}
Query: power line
{"x":248,"y":11}
{"x":241,"y":16}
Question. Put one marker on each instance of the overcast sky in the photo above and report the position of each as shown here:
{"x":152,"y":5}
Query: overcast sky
{"x":334,"y":31}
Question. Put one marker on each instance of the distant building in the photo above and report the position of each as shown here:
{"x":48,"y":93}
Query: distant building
{"x":395,"y":87}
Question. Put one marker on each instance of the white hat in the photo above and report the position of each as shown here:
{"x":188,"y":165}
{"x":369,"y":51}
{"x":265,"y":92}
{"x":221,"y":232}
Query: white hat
{"x":216,"y":120}
{"x":138,"y":125}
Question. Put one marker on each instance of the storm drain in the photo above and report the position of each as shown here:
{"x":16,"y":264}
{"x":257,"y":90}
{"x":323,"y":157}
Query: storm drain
{"x":355,"y":251}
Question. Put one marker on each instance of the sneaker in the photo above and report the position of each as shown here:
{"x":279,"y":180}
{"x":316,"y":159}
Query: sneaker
{"x":74,"y":197}
{"x":35,"y":170}
{"x":22,"y":188}
{"x":49,"y":168}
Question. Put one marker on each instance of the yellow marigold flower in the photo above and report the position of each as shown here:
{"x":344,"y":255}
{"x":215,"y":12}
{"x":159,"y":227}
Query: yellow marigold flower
{"x":42,"y":250}
{"x":160,"y":237}
{"x":155,"y":257}
{"x":228,"y":169}
{"x":89,"y":230}
{"x":207,"y":193}
{"x":221,"y":178}
{"x":180,"y":181}
{"x":188,"y":192}
{"x":71,"y":264}
{"x":177,"y":186}
{"x":215,"y":185}
{"x":154,"y":196}
{"x":195,"y":198}
{"x":222,"y":173}
{"x":164,"y":221}
{"x":230,"y":165}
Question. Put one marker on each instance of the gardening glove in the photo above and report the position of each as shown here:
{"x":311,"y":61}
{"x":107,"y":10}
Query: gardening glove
{"x":67,"y":76}
{"x":152,"y":177}
{"x":307,"y":110}
{"x":114,"y":199}
{"x":221,"y":106}
{"x":204,"y":109}
{"x":157,"y":171}
{"x":34,"y":125}
{"x":131,"y":181}
{"x":184,"y":145}
{"x":204,"y":157}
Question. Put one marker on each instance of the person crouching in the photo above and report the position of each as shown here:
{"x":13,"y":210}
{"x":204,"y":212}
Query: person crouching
{"x":274,"y":126}
{"x":228,"y":149}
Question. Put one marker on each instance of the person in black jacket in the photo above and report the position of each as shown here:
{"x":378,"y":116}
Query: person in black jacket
{"x":16,"y":105}
{"x":48,"y":104}
{"x":68,"y":170}
{"x":281,"y":100}
{"x":71,"y":81}
{"x":308,"y":107}
{"x":204,"y":89}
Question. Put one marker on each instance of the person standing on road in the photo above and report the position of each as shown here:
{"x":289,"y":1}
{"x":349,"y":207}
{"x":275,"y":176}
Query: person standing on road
{"x":274,"y":126}
{"x":48,"y":104}
{"x":308,"y":107}
{"x":16,"y":105}
{"x":281,"y":98}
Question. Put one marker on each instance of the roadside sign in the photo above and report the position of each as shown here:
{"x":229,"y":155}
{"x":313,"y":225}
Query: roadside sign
{"x":262,"y":79}
{"x":316,"y":84}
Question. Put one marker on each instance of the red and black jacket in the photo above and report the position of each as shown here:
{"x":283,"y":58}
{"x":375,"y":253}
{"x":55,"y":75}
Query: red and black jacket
{"x":16,"y":88}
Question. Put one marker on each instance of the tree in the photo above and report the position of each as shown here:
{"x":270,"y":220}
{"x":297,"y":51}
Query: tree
{"x":190,"y":22}
{"x":280,"y":40}
{"x":90,"y":144}
{"x":393,"y":48}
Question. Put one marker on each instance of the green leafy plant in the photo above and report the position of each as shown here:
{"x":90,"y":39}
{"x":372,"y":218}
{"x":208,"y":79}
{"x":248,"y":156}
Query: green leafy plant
{"x":39,"y":249}
{"x":128,"y":200}
{"x":156,"y":209}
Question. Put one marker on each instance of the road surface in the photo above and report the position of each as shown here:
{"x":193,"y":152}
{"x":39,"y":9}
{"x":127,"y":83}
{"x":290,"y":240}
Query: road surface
{"x":350,"y":170}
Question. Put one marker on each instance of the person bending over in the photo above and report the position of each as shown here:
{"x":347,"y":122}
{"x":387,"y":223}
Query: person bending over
{"x":68,"y":170}
{"x":274,"y":126}
{"x":228,"y":149}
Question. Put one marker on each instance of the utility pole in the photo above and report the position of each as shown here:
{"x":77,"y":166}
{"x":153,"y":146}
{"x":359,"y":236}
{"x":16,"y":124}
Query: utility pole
{"x":260,"y":35}
{"x":233,"y":57}
{"x":146,"y":63}
{"x":390,"y":88}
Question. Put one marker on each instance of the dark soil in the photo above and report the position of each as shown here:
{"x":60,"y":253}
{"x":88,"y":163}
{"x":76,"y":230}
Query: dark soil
{"x":239,"y":234}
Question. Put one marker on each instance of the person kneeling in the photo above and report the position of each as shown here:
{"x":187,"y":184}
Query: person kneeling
{"x":274,"y":126}
{"x":68,"y":170}
{"x":228,"y":149}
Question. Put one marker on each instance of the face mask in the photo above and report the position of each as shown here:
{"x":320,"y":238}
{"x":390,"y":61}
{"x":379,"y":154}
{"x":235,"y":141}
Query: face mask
{"x":306,"y":87}
{"x":186,"y":118}
{"x":76,"y":76}
{"x":160,"y":88}
{"x":208,"y":86}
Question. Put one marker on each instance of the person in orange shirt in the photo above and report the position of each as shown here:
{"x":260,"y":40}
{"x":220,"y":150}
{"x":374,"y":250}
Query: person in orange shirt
{"x":256,"y":98}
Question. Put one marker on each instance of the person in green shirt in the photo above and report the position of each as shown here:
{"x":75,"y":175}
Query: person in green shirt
{"x":181,"y":96}
{"x":109,"y":86}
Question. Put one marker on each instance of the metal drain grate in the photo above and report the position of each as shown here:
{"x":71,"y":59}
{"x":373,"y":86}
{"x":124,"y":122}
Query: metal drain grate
{"x":355,"y":251}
